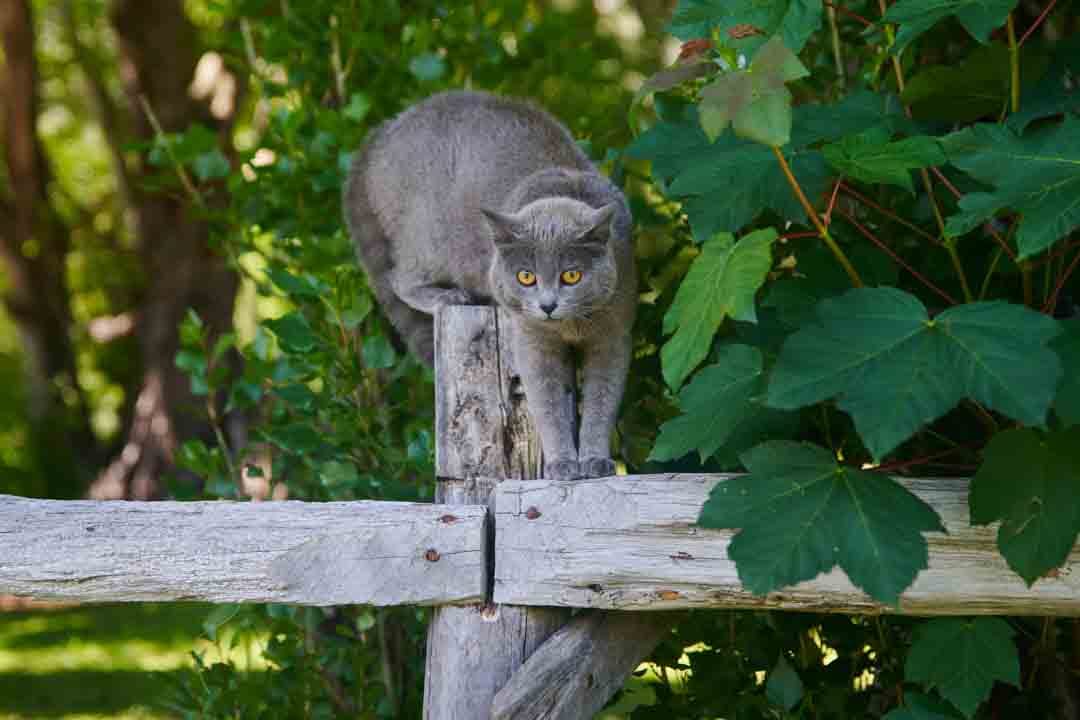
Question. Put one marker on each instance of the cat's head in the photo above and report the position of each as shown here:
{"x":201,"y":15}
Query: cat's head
{"x":553,"y":259}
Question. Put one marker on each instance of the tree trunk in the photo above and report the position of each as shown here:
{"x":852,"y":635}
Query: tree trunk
{"x":33,"y":250}
{"x":158,"y":54}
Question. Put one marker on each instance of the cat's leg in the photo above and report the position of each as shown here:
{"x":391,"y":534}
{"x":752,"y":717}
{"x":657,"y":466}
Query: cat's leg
{"x":547,"y":374}
{"x":421,"y":294}
{"x":604,"y":367}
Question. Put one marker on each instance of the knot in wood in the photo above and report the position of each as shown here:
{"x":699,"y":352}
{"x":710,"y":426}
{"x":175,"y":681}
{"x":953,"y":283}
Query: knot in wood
{"x":668,"y":595}
{"x":447,"y":519}
{"x":432,"y":555}
{"x":532,"y":513}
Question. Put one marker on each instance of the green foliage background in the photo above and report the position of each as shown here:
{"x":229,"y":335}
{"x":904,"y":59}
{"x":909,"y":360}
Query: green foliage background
{"x":858,"y":258}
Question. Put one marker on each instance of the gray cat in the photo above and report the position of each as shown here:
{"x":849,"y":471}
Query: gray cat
{"x":469,"y":198}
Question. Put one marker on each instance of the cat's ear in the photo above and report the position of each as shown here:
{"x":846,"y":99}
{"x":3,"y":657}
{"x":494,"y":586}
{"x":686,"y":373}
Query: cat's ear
{"x":600,"y":221}
{"x":506,"y":229}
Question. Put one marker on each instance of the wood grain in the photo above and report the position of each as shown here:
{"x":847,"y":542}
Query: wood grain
{"x":379,"y":553}
{"x":484,"y":434}
{"x":630,"y":543}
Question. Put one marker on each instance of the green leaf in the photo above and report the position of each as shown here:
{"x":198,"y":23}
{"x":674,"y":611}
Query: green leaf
{"x":801,"y":514}
{"x":979,"y":17}
{"x":962,"y":92}
{"x":856,"y":113}
{"x":358,"y":108}
{"x":766,"y":120}
{"x":921,"y":707}
{"x":1055,"y":92}
{"x":784,"y":687}
{"x":1067,"y":346}
{"x":721,"y":283}
{"x":723,"y":99}
{"x":378,"y":353}
{"x":774,"y":64}
{"x":220,"y":615}
{"x":294,"y":332}
{"x":211,"y":165}
{"x":755,"y":100}
{"x":743,"y":173}
{"x":427,"y":67}
{"x":1030,"y":482}
{"x":1037,"y":175}
{"x":337,"y":475}
{"x":870,"y":158}
{"x":894,"y":370}
{"x":963,"y":658}
{"x":714,"y":404}
{"x":677,"y":74}
{"x":304,"y":285}
{"x":793,"y":20}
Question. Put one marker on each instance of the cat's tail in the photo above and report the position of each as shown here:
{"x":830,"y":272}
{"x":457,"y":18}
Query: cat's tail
{"x":373,"y":250}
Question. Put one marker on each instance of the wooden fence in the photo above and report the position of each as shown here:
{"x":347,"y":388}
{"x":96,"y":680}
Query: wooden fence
{"x":502,"y":555}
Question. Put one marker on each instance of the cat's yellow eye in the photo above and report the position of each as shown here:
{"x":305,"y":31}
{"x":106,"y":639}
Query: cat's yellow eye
{"x":571,"y":277}
{"x":526,"y":278}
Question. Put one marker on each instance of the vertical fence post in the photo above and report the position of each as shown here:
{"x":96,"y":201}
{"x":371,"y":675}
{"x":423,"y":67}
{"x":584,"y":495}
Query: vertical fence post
{"x":483,"y":435}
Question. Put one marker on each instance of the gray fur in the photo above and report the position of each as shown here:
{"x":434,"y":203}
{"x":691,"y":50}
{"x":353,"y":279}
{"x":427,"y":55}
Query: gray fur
{"x":451,"y":199}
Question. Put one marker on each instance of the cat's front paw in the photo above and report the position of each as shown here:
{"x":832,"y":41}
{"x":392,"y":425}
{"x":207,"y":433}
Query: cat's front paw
{"x":562,"y":469}
{"x":597,"y":467}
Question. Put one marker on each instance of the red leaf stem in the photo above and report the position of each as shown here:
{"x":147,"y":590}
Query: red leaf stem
{"x":1051,"y":303}
{"x":1037,"y":23}
{"x":901,"y":464}
{"x":798,"y":235}
{"x":1069,"y":247}
{"x":994,"y":233}
{"x":889,"y":214}
{"x":852,"y":13}
{"x":865,"y":232}
{"x":832,"y":203}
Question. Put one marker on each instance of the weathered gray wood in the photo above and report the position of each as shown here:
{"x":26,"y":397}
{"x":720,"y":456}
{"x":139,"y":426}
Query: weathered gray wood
{"x":629,"y":542}
{"x":581,"y":666}
{"x":483,"y":431}
{"x":379,"y":553}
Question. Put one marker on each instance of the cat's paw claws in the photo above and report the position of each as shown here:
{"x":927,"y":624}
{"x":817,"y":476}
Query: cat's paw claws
{"x":565,"y":469}
{"x":597,"y":467}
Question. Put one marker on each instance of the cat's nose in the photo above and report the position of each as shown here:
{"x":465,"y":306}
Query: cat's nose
{"x":549,"y":308}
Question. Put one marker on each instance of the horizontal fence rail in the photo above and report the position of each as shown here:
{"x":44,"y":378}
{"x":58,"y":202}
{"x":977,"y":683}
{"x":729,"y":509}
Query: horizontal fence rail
{"x":380,"y":553}
{"x":629,"y":543}
{"x":619,"y":543}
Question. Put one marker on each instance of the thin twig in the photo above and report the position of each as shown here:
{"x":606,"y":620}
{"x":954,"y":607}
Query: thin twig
{"x":1038,"y":22}
{"x":1051,"y":304}
{"x":901,"y":464}
{"x":823,"y":232}
{"x":851,"y":13}
{"x":889,"y":214}
{"x":162,"y":138}
{"x":832,"y":202}
{"x":1014,"y":65}
{"x":993,"y":233}
{"x":865,"y":232}
{"x":798,"y":235}
{"x":335,"y":60}
{"x":837,"y":46}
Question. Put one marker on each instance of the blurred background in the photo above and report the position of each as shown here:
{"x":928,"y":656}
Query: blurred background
{"x":182,"y":317}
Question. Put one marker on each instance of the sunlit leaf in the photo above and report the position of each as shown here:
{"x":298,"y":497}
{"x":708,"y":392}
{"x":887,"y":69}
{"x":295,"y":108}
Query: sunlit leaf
{"x":721,"y":284}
